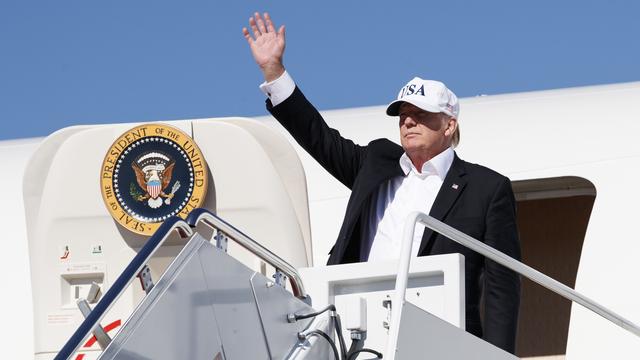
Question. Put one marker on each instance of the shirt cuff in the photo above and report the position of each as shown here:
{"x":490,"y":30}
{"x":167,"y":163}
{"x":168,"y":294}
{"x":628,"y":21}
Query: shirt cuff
{"x":279,"y":89}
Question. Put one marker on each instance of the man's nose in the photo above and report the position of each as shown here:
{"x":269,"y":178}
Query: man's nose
{"x":409,"y":121}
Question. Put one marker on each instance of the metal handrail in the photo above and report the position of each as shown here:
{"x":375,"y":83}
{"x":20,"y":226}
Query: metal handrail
{"x":490,"y":253}
{"x":252,"y":246}
{"x":130,"y":272}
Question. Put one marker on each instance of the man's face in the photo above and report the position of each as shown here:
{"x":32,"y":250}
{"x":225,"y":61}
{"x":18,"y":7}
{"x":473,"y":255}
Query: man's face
{"x":424,"y":133}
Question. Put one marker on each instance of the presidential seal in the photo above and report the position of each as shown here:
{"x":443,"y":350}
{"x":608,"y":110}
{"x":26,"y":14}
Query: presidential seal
{"x":150,"y":173}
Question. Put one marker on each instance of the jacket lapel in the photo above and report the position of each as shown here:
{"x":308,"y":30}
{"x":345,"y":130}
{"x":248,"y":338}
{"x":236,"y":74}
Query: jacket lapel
{"x":452,"y":186}
{"x":373,"y":174}
{"x":383,"y":167}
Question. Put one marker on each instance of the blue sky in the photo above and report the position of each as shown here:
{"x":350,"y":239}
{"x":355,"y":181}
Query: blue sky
{"x":75,"y":62}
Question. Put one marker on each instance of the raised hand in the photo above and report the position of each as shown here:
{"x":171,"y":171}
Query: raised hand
{"x":267,"y":45}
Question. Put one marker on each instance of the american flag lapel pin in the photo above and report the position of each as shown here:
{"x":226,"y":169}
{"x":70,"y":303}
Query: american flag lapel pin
{"x":454,"y":186}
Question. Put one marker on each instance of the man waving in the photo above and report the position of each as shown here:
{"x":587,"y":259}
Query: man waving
{"x":389,"y":181}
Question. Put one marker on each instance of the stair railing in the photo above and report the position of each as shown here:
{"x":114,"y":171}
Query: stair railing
{"x":492,"y":254}
{"x":203,"y":215}
{"x":92,"y":321}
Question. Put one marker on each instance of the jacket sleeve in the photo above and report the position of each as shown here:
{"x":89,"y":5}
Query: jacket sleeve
{"x":502,"y":286}
{"x":341,"y":157}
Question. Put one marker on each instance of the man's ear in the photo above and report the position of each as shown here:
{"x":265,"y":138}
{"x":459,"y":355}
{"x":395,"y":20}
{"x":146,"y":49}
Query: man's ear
{"x":452,"y":125}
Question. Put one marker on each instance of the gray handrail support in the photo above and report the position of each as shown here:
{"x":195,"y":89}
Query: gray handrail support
{"x":492,"y":254}
{"x":258,"y":250}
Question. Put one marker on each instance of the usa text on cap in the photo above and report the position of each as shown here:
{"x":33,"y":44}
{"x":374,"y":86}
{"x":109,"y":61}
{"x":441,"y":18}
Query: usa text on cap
{"x":428,"y":95}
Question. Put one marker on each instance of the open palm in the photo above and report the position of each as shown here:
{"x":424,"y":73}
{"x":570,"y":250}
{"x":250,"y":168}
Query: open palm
{"x":267,"y":45}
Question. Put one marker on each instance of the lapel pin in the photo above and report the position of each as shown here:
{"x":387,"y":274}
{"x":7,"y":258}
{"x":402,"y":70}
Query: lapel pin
{"x":454,"y":186}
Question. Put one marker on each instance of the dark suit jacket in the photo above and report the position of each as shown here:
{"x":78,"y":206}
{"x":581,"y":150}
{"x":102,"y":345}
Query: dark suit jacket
{"x":482,"y":205}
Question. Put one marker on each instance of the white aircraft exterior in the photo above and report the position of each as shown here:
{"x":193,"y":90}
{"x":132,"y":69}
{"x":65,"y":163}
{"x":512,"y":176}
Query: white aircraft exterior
{"x":572,"y":156}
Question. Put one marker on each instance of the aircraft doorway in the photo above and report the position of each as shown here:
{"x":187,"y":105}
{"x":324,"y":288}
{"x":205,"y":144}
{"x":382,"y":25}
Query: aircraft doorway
{"x":553,"y":214}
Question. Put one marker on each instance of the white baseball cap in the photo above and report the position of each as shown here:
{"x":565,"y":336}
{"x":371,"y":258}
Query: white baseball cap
{"x":429,"y":95}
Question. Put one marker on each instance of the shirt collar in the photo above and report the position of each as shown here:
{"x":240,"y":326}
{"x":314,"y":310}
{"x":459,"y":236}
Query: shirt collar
{"x":441,"y":163}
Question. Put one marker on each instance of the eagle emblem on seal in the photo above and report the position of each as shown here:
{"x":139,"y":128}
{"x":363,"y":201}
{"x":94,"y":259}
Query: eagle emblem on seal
{"x":153,"y":172}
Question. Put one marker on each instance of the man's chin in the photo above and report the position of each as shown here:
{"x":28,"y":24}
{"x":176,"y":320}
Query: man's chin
{"x":412,"y":148}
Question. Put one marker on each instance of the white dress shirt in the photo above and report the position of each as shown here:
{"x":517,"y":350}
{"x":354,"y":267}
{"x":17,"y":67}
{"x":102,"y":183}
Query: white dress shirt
{"x":396,"y":198}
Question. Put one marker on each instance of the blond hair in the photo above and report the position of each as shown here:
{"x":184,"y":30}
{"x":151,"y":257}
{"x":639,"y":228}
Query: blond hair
{"x":455,"y":140}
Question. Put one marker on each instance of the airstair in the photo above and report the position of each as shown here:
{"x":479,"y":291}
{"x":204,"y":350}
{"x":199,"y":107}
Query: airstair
{"x":208,"y":305}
